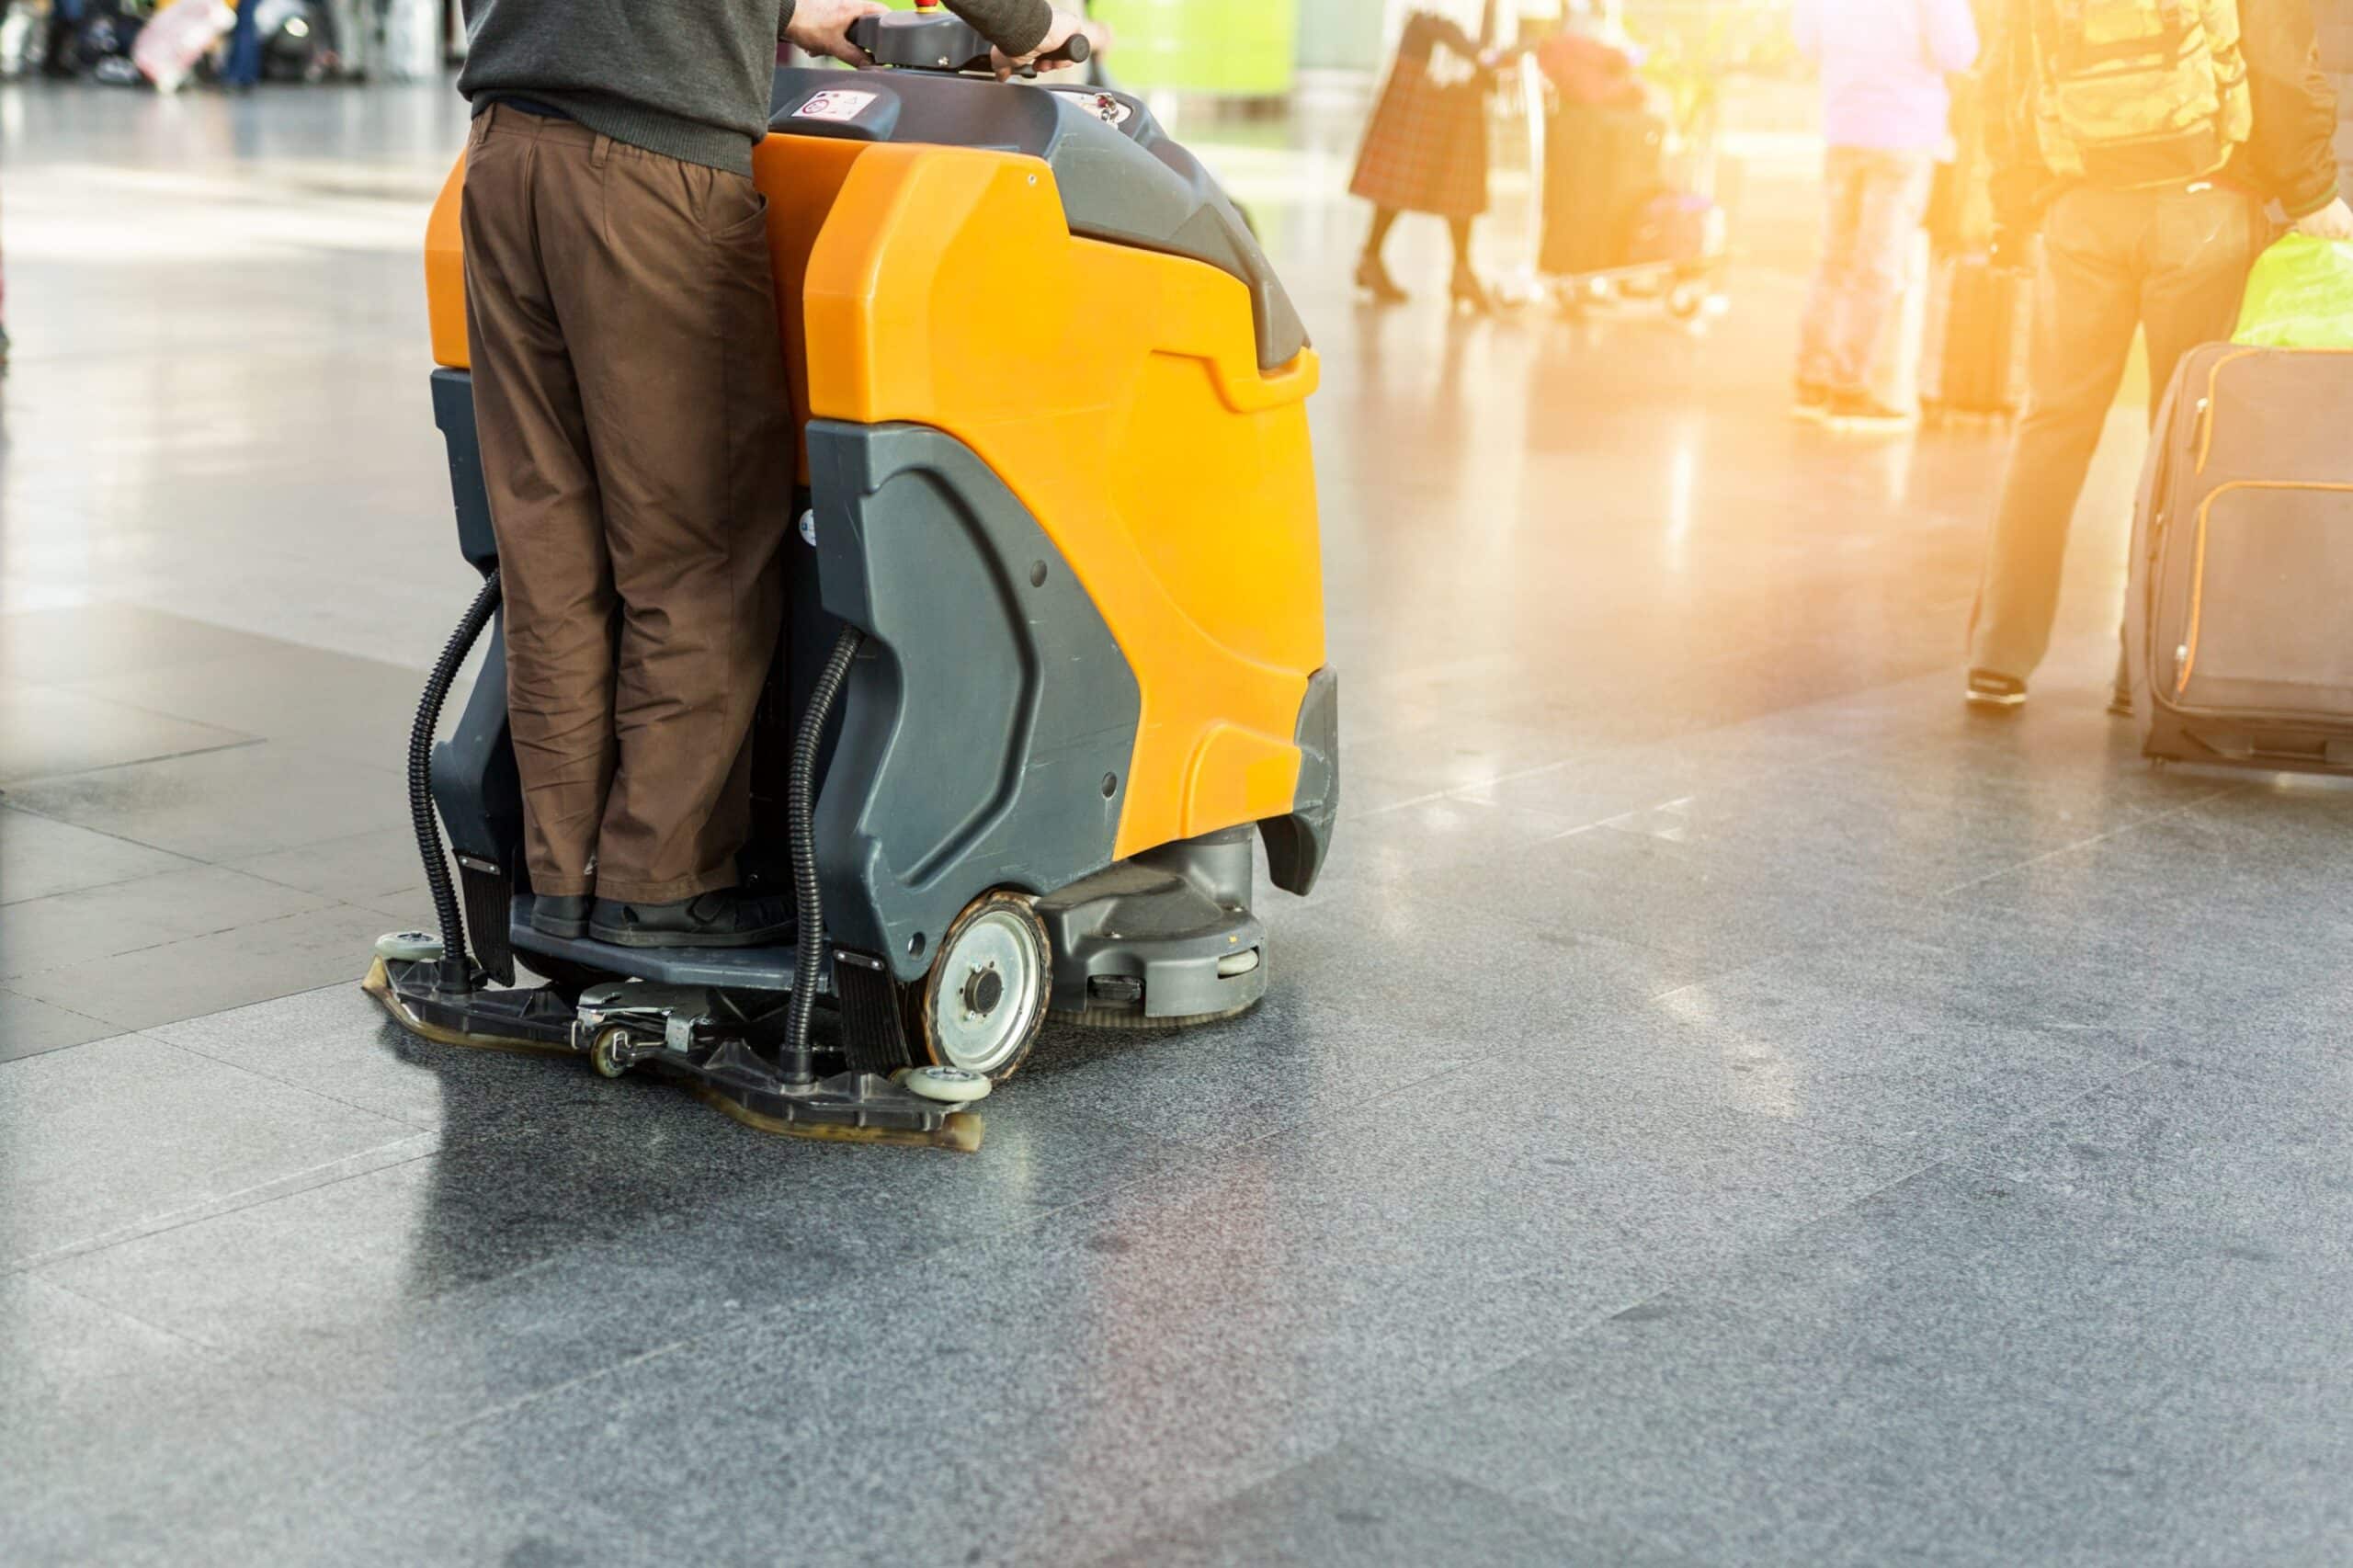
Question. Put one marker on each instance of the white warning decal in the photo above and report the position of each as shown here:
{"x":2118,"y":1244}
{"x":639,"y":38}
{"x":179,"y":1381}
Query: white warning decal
{"x":834,"y":104}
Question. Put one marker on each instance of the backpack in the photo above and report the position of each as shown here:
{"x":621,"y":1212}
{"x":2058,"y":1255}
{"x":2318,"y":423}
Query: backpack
{"x":2131,"y":93}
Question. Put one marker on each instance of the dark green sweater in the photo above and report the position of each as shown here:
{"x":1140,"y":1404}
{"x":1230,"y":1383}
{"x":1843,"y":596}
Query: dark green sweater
{"x":689,"y":78}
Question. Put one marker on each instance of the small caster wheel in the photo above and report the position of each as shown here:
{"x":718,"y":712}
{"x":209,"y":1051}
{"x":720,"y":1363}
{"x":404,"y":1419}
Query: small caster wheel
{"x":409,"y":947}
{"x":948,"y":1085}
{"x":1686,"y":301}
{"x":604,"y":1051}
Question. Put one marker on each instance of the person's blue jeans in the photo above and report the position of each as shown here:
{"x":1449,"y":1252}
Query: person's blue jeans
{"x":1874,"y":202}
{"x":244,"y":69}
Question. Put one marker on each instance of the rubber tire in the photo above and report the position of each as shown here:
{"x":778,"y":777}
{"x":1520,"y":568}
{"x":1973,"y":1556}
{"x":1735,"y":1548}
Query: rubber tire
{"x":922,"y":1001}
{"x":599,"y":1058}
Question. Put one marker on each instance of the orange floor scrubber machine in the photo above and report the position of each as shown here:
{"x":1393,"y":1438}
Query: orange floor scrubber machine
{"x":1056,"y":651}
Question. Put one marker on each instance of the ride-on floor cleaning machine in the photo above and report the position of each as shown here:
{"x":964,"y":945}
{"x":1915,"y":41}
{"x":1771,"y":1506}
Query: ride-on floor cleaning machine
{"x":1056,"y":647}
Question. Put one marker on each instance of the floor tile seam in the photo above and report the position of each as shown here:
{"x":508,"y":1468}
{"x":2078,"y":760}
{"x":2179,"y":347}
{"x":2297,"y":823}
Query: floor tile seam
{"x":80,"y":688}
{"x":2119,"y":831}
{"x":259,"y":1196}
{"x":210,"y":1351}
{"x":252,"y":1072}
{"x":234,"y":1006}
{"x":14,"y":979}
{"x":1416,"y":1463}
{"x":37,"y":779}
{"x":193,"y":862}
{"x":8,"y":990}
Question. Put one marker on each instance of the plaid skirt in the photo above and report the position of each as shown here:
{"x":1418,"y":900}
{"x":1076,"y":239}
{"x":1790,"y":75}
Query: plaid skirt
{"x":1425,"y":150}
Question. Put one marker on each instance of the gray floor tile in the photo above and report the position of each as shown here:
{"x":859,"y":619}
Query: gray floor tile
{"x":1352,"y":1508}
{"x":1879,"y":1063}
{"x":40,"y":858}
{"x":196,"y":976}
{"x":2251,"y":1146}
{"x":28,"y":1028}
{"x":367,"y":868}
{"x":56,"y":645}
{"x":228,"y":805}
{"x":1347,"y":1016}
{"x":1163,"y":1347}
{"x":1719,"y":910}
{"x":332,"y":703}
{"x":119,"y":1133}
{"x":101,"y":923}
{"x":565,"y":1225}
{"x":126,"y":1444}
{"x":1956,"y":1371}
{"x":45,"y":732}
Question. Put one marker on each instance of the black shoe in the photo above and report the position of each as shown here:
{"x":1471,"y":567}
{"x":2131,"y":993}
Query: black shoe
{"x":565,"y":918}
{"x":1372,"y":277}
{"x":1999,"y":693}
{"x":728,"y":919}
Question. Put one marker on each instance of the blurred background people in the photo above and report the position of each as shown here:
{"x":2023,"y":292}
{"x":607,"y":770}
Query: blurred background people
{"x":1886,"y":118}
{"x":1425,"y":149}
{"x":2150,"y":201}
{"x":242,"y":72}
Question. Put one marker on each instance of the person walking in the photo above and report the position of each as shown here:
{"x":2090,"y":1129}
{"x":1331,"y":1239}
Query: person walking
{"x":1886,"y":115}
{"x":1425,"y":150}
{"x":241,"y":72}
{"x":2147,"y":158}
{"x":636,"y":430}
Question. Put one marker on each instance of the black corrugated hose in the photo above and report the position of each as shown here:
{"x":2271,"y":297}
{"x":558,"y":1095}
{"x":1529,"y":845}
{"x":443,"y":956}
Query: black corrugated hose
{"x":454,"y":964}
{"x":809,"y":908}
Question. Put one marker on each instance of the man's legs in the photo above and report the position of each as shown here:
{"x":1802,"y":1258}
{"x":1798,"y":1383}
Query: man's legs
{"x":665,"y":278}
{"x":2200,"y":250}
{"x":2087,"y":307}
{"x":1890,"y":199}
{"x":1841,"y":182}
{"x":545,"y":507}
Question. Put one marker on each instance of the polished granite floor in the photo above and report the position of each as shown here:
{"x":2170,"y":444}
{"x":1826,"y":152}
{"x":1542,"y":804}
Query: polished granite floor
{"x":1726,"y":1107}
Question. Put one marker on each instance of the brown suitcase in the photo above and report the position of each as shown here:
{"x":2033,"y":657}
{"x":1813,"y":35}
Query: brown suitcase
{"x":2237,"y":631}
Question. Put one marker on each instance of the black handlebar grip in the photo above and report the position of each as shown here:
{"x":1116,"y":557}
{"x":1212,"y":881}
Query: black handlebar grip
{"x":1075,"y":50}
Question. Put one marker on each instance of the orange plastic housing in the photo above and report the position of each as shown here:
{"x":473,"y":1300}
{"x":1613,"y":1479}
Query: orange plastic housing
{"x":1117,"y":393}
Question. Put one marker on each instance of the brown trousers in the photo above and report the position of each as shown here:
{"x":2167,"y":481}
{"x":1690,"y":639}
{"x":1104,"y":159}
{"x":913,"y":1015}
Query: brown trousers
{"x":638,"y":444}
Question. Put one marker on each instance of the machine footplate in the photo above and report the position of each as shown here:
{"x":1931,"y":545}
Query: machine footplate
{"x":724,"y":1072}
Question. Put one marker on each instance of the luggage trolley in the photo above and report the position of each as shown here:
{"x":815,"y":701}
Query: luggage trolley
{"x":1614,"y":222}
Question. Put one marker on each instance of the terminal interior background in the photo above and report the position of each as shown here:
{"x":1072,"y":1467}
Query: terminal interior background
{"x":1725,"y":1104}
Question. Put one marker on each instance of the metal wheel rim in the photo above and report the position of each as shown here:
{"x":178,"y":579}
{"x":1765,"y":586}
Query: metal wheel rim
{"x":983,"y":1043}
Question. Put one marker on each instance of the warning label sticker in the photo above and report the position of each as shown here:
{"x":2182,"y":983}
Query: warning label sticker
{"x":834,"y":104}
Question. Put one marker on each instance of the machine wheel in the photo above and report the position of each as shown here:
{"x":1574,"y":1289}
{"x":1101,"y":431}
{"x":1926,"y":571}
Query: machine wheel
{"x":984,"y":1001}
{"x":409,"y":947}
{"x":1686,"y":300}
{"x":948,"y":1086}
{"x":602,"y":1052}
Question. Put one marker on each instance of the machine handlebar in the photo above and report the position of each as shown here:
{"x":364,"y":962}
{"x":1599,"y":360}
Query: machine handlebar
{"x":931,"y":40}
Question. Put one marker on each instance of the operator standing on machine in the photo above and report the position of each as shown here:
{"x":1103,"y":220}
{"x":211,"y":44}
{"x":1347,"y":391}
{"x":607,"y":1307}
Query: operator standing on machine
{"x":636,"y":437}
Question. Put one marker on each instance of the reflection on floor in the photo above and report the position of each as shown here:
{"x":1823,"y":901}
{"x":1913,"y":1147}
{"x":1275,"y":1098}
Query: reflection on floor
{"x":1726,"y":1107}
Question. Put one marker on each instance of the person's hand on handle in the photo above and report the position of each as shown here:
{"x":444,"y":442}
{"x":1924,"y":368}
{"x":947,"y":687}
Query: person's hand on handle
{"x":1064,"y":27}
{"x":2334,"y":221}
{"x":822,"y":28}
